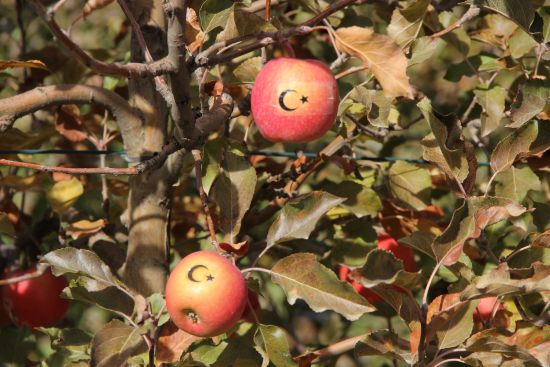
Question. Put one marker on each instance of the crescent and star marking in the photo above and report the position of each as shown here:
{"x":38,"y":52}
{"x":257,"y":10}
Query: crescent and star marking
{"x":192,"y":270}
{"x":282,"y":100}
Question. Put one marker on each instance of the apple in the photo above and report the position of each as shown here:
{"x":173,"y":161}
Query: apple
{"x":35,"y":302}
{"x":205,"y":294}
{"x":252,"y":308}
{"x":294,"y":100}
{"x":401,"y":252}
{"x":485,"y":307}
{"x":388,"y":243}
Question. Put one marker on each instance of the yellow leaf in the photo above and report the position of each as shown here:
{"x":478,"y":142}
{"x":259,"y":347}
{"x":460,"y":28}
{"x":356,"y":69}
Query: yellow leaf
{"x":382,"y":55}
{"x":37,"y":64}
{"x":23,"y":183}
{"x":84,"y":228}
{"x":64,"y":194}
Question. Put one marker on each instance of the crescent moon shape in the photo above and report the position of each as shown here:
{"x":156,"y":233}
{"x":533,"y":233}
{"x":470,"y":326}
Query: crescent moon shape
{"x":282,"y":100}
{"x":192,"y":270}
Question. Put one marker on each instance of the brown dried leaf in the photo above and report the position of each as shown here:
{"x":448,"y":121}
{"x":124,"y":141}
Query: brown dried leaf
{"x":85,"y":228}
{"x":382,"y":55}
{"x":172,"y":343}
{"x":93,"y":5}
{"x":69,"y":123}
{"x":8,"y":64}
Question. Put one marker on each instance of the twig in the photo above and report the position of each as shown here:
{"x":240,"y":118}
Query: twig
{"x":40,"y":270}
{"x":351,"y":71}
{"x":132,"y":69}
{"x":204,"y":199}
{"x":334,"y":349}
{"x":71,"y":170}
{"x":266,"y":38}
{"x":267,"y":11}
{"x":473,"y":11}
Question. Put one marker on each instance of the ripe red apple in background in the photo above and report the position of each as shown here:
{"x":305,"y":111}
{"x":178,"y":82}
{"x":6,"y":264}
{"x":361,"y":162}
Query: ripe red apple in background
{"x":485,"y":307}
{"x":385,"y":242}
{"x":294,"y":100}
{"x":36,"y":302}
{"x":252,"y":308}
{"x":206,"y":294}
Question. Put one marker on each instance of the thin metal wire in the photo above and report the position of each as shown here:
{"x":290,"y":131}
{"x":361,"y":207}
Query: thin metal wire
{"x":253,"y":153}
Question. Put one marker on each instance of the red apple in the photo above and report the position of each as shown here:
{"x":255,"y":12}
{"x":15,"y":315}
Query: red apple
{"x":206,"y":294}
{"x":403,"y":253}
{"x":294,"y":100}
{"x":485,"y":307}
{"x":385,"y":242}
{"x":36,"y":302}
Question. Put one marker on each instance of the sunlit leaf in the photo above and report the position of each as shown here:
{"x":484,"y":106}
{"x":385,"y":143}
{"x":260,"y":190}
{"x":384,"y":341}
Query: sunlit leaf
{"x":272,"y":341}
{"x":519,"y":11}
{"x":172,"y":342}
{"x":411,"y":184}
{"x":84,"y":228}
{"x":64,"y":194}
{"x":300,"y":215}
{"x":468,"y":220}
{"x":406,"y":23}
{"x":385,"y":343}
{"x":514,"y":183}
{"x":9,"y":64}
{"x":492,"y":101}
{"x":302,"y":276}
{"x":382,"y":55}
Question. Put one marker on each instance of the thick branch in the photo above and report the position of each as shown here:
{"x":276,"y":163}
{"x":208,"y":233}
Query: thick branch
{"x":128,"y":119}
{"x":133,"y":69}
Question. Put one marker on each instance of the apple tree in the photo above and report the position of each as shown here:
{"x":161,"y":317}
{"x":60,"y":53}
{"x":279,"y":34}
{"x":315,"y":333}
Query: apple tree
{"x":374,"y":170}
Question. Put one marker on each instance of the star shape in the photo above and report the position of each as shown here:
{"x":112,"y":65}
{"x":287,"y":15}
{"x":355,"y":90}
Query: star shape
{"x":209,"y":277}
{"x":304,"y":99}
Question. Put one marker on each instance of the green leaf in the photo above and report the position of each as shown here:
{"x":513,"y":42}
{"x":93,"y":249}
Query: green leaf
{"x":467,"y":222}
{"x":385,"y":343}
{"x":214,"y":13}
{"x":534,"y":97}
{"x":115,"y":343}
{"x":410,"y":184}
{"x":382,"y":267}
{"x":247,"y":71}
{"x":300,"y":215}
{"x":377,"y":106}
{"x":445,"y":146}
{"x":360,"y":200}
{"x":406,"y":23}
{"x":424,"y":49}
{"x":514,"y":183}
{"x":508,"y":149}
{"x":273,"y":344}
{"x":520,"y":44}
{"x":454,"y":324}
{"x":519,"y":11}
{"x":5,"y":225}
{"x":233,"y":190}
{"x":421,"y":241}
{"x":109,"y":298}
{"x":505,"y":281}
{"x":208,"y":354}
{"x":240,"y":22}
{"x":302,"y":276}
{"x":80,"y":262}
{"x":492,"y":102}
{"x":544,"y":13}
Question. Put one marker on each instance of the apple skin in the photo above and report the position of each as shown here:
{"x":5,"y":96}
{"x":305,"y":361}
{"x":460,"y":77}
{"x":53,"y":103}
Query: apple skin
{"x":311,"y":100}
{"x":36,"y":302}
{"x":388,"y":243}
{"x":205,"y":294}
{"x":484,"y":309}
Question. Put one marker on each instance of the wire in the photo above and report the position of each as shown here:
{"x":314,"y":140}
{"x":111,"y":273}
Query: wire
{"x":253,"y":153}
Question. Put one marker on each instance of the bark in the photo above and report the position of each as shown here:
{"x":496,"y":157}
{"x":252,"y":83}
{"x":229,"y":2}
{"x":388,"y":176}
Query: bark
{"x":145,"y":269}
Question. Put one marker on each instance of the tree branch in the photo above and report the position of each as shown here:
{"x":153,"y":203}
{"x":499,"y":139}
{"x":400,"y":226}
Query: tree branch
{"x":128,"y":119}
{"x":133,"y":69}
{"x":206,"y":58}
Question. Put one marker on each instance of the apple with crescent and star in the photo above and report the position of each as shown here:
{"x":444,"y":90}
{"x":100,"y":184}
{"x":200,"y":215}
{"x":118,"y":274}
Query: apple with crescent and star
{"x":205,"y":294}
{"x":294,"y":100}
